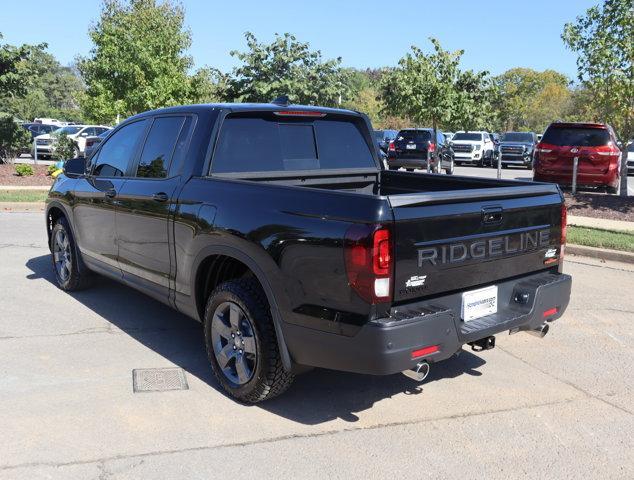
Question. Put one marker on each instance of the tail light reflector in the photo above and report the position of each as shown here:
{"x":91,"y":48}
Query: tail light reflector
{"x":369,"y":262}
{"x":424,"y":351}
{"x":550,"y":312}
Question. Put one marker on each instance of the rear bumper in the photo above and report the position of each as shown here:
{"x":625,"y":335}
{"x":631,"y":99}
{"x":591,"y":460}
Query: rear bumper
{"x":611,"y":178}
{"x":384,"y":346}
{"x":508,"y":159}
{"x":474,"y":157}
{"x":398,"y":162}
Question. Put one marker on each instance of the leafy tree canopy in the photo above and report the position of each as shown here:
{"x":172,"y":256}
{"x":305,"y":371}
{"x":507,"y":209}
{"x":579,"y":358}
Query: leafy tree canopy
{"x":53,"y":90}
{"x":603,"y":39}
{"x":286,"y":67}
{"x":139,"y":61}
{"x":529,"y":100}
{"x":431,"y":89}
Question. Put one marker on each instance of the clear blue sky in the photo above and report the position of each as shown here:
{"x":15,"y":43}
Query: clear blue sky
{"x":495,"y":34}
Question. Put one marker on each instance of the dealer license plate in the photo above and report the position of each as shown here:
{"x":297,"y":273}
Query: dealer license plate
{"x":479,"y":303}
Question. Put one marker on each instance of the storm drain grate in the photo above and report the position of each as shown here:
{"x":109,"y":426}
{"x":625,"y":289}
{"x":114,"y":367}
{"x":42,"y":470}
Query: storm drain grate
{"x":158,"y":379}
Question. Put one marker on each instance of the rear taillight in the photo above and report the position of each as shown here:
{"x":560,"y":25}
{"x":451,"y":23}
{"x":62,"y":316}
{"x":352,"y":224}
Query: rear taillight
{"x":391,"y":147}
{"x":432,"y":147}
{"x":369,"y":262}
{"x":562,"y":237}
{"x":564,"y":220}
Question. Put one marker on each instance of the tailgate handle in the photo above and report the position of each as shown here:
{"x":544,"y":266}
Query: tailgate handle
{"x":492,"y":216}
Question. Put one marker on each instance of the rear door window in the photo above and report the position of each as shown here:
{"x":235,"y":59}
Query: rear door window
{"x":269,"y":144}
{"x":576,"y":136}
{"x":159,"y":146}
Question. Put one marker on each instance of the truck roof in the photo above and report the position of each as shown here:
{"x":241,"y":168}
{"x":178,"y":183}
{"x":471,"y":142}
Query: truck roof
{"x":246,"y":107}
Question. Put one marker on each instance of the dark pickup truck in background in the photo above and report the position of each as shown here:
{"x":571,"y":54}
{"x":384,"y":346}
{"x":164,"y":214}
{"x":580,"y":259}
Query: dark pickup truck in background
{"x":517,"y":149}
{"x":277,"y":227}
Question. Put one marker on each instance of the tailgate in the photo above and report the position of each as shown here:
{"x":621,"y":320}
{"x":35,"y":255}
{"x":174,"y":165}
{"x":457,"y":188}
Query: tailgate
{"x":461,"y":240}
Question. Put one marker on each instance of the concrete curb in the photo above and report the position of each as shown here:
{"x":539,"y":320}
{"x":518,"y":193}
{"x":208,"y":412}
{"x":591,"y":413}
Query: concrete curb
{"x":601,"y":223}
{"x":600,"y":253}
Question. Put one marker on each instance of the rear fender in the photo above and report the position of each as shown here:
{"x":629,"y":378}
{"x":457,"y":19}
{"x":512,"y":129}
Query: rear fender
{"x":262,"y":278}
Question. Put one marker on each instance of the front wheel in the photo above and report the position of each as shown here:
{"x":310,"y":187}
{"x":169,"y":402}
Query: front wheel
{"x":241,"y":342}
{"x":70,"y":272}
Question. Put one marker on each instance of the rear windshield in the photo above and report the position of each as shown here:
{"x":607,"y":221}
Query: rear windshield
{"x":576,"y":136}
{"x":473,"y":137}
{"x":517,"y":137}
{"x":414,"y":135}
{"x":262,"y":144}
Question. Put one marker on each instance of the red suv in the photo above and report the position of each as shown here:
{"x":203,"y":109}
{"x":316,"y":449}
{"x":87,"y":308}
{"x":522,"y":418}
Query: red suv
{"x":595,"y":146}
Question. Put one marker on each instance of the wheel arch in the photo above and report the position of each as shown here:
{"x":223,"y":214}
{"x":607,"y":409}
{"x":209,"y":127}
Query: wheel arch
{"x":217,"y":263}
{"x":54,"y":211}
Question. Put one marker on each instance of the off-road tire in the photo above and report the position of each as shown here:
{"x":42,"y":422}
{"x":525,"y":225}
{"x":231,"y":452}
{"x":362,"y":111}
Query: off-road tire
{"x":269,"y":376}
{"x":79,"y":276}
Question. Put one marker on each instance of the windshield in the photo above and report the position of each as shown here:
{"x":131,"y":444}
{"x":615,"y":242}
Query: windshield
{"x":473,"y":137}
{"x":420,"y":136}
{"x":576,"y":136}
{"x":67,"y":130}
{"x":524,"y":137}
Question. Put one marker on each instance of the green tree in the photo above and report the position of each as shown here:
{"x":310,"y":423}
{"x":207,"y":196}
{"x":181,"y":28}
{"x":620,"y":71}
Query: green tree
{"x":286,"y":67}
{"x":529,"y":100}
{"x":431,"y":89}
{"x":13,"y":138}
{"x":138,"y":61}
{"x":603,"y":39}
{"x":14,"y":78}
{"x":53,"y":90}
{"x":14,"y":82}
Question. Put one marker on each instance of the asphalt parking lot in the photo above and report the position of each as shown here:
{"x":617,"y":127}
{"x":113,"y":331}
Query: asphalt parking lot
{"x":558,"y":407}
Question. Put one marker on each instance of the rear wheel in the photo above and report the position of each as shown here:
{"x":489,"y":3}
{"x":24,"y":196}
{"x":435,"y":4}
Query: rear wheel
{"x":241,"y":342}
{"x":612,"y":190}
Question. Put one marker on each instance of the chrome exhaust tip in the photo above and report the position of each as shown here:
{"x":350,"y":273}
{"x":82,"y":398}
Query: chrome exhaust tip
{"x":419,"y":372}
{"x":540,"y":331}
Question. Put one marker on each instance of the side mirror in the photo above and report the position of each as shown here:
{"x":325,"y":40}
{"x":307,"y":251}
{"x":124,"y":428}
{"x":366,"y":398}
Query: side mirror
{"x":75,"y":166}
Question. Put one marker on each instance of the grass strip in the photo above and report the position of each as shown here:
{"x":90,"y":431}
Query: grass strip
{"x":595,"y":237}
{"x":23,"y":195}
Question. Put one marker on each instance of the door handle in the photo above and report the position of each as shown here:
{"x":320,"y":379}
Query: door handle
{"x":160,"y":197}
{"x":111,"y":193}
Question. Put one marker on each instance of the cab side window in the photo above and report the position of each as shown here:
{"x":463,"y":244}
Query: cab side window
{"x":159,"y":147}
{"x":119,"y":150}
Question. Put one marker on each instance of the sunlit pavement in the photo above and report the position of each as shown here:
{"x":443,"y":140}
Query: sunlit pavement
{"x":558,"y":407}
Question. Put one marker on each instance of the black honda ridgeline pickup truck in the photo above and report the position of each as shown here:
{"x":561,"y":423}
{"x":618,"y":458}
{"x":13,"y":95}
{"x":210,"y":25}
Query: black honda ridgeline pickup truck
{"x":279,"y":229}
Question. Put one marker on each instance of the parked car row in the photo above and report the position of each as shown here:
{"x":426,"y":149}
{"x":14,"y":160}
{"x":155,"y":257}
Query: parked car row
{"x":550,"y":155}
{"x":79,"y":134}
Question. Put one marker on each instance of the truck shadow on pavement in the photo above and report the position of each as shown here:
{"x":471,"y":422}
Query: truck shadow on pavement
{"x":316,"y":397}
